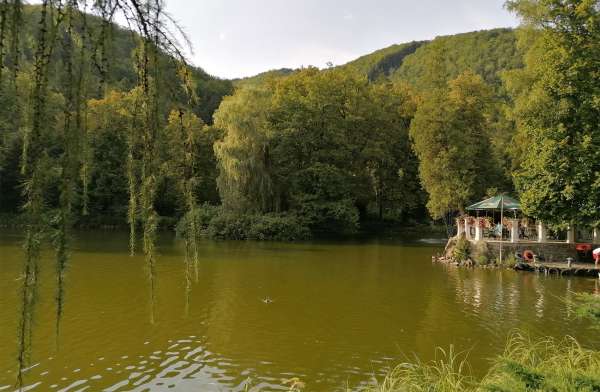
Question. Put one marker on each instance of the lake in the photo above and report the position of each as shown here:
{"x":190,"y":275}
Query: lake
{"x":329,"y":313}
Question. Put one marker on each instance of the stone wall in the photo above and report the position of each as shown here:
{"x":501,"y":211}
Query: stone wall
{"x":550,"y":251}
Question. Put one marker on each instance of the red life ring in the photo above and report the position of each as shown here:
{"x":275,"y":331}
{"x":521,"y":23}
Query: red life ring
{"x":528,"y":255}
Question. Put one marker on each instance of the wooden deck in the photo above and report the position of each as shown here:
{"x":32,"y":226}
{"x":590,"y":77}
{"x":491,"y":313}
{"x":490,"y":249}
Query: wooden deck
{"x":562,"y":269}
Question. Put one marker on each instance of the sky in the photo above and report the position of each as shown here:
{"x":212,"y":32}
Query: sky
{"x":238,"y":38}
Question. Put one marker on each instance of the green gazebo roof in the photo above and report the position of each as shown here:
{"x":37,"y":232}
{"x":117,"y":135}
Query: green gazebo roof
{"x":495,"y":203}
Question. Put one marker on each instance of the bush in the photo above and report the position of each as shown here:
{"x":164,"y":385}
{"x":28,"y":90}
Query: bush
{"x":269,"y":227}
{"x":480,"y":253}
{"x":278,"y":228}
{"x":227,"y":225}
{"x":509,"y":261}
{"x":461,"y":250}
{"x":336,"y":217}
{"x":201,"y":215}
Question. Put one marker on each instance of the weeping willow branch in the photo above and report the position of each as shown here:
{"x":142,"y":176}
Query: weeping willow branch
{"x":69,"y":165}
{"x":17,"y":16}
{"x":149,"y":21}
{"x":34,"y":167}
{"x":3,"y":16}
{"x":81,"y":114}
{"x":28,"y":298}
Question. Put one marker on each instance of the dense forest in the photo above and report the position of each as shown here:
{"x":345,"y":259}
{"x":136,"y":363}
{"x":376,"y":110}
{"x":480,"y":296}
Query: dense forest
{"x":408,"y":134}
{"x":291,"y":154}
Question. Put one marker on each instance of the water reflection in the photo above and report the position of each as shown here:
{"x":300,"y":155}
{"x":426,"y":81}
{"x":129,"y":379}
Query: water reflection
{"x":517,"y":297}
{"x":338,"y":313}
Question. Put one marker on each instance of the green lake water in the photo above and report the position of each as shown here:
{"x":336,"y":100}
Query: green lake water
{"x":330,"y":313}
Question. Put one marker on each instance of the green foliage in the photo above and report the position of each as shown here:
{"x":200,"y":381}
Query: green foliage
{"x":526,"y":365}
{"x":557,"y":109}
{"x":462,"y":249}
{"x":320,"y":195}
{"x":384,"y":62}
{"x":245,"y":181}
{"x":324,"y":145}
{"x":202,"y":216}
{"x":509,"y":260}
{"x":588,"y":307}
{"x":450,"y":138}
{"x":450,"y":372}
{"x":480,"y":253}
{"x":544,"y":365}
{"x":278,"y":227}
{"x":262,"y":78}
{"x":486,"y":53}
{"x":273,"y":227}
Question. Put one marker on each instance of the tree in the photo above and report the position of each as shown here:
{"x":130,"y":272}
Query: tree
{"x":323,"y":145}
{"x":557,"y":109}
{"x":245,"y":180}
{"x":389,"y":162}
{"x":450,"y":138}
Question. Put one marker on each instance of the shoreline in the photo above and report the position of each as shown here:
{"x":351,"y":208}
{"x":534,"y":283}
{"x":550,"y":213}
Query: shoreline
{"x":460,"y":252}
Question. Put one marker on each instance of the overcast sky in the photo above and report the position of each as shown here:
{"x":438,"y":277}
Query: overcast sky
{"x":235,"y":38}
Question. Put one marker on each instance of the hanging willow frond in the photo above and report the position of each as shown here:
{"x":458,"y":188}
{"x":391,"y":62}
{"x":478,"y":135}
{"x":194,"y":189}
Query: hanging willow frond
{"x":159,"y":37}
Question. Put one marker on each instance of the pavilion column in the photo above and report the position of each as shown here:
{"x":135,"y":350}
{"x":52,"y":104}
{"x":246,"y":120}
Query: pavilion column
{"x":460,"y":227}
{"x":542,"y":232}
{"x":478,"y":232}
{"x":514,"y":230}
{"x":596,"y":238}
{"x":467,"y":229}
{"x":571,"y":234}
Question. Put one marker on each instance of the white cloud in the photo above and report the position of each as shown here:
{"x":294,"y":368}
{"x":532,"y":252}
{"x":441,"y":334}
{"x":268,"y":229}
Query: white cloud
{"x":234,"y":38}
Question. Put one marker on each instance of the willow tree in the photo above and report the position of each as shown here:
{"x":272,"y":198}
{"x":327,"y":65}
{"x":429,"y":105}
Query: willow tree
{"x":183,"y":130}
{"x":245,"y":181}
{"x":66,"y":44}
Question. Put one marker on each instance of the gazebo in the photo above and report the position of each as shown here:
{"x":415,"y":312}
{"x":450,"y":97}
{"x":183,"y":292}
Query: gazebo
{"x":497,"y":203}
{"x":518,"y":233}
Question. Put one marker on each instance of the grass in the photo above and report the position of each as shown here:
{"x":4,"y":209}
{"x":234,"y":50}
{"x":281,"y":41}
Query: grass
{"x":526,"y":365}
{"x":544,"y":365}
{"x":449,"y":372}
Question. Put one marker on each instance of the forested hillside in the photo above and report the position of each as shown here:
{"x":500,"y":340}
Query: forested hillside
{"x":384,"y":62}
{"x":112,"y":78}
{"x":294,"y":153}
{"x":262,"y":77}
{"x":409,"y":128}
{"x":487,"y":53}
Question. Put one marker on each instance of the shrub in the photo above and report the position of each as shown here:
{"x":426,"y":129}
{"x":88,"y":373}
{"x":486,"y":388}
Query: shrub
{"x":461,"y":250}
{"x":227,"y":225}
{"x":509,"y":261}
{"x":480,"y":253}
{"x":339,"y":216}
{"x":278,"y":228}
{"x":269,"y":227}
{"x":202,"y":216}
